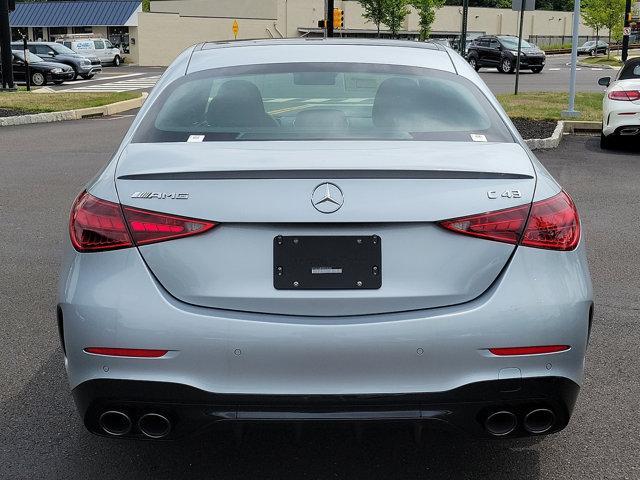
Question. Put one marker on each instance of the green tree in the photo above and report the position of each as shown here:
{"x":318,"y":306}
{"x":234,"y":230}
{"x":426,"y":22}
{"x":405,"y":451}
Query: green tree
{"x":612,"y":12}
{"x":395,"y":12}
{"x":427,"y":13}
{"x":146,"y":5}
{"x":592,"y":16}
{"x":374,"y":11}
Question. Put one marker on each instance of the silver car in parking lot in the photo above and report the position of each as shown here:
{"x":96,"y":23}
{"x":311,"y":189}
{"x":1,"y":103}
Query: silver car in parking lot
{"x":323,"y":230}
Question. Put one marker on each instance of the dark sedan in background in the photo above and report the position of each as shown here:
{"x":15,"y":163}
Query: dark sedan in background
{"x":40,"y":72}
{"x":85,"y":66}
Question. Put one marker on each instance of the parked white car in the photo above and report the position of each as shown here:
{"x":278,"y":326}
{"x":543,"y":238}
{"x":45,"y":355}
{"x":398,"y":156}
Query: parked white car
{"x":99,"y":47}
{"x":621,"y":105}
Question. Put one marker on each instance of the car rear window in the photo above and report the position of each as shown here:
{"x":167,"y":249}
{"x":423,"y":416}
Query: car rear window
{"x":326,"y":101}
{"x":631,"y":71}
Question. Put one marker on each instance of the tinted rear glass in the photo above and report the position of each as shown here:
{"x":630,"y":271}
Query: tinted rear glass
{"x":631,"y":71}
{"x":310,"y":101}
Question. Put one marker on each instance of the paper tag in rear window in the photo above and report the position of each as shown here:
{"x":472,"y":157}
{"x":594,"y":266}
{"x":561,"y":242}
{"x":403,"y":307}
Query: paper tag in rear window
{"x":195,"y":138}
{"x":478,"y":138}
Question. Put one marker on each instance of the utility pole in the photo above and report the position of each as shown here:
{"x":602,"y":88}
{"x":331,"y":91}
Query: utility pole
{"x":329,"y":18}
{"x":627,"y":31}
{"x":519,"y":46}
{"x":463,"y":30}
{"x":5,"y":47}
{"x":571,"y":112}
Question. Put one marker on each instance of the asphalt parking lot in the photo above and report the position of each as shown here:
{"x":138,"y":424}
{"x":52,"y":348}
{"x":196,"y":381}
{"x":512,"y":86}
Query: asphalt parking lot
{"x":41,"y":435}
{"x":554,"y":78}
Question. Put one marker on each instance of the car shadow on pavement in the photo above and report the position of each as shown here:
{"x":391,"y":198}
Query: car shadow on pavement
{"x":44,"y":438}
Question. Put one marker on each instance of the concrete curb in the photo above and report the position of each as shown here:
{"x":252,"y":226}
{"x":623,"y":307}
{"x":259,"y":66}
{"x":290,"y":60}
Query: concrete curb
{"x":603,"y":67}
{"x":104,"y":110}
{"x":563,"y":127}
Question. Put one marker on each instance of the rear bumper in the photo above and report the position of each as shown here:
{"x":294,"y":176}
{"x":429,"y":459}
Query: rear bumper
{"x":190,"y":410}
{"x":221,"y":358}
{"x":621,"y":118}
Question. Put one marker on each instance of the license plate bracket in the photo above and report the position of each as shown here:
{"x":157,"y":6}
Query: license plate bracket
{"x":307,"y":262}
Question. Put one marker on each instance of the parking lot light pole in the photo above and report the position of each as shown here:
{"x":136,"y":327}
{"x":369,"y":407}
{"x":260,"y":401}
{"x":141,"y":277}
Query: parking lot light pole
{"x":329,"y":17}
{"x":522,"y":5}
{"x":627,"y":32}
{"x":5,"y":47}
{"x":463,"y":29}
{"x":571,"y":112}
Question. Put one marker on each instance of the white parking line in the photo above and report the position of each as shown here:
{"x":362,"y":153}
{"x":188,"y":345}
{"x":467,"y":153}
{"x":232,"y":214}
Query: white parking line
{"x":279,"y":100}
{"x":76,"y":82}
{"x":118,"y":86}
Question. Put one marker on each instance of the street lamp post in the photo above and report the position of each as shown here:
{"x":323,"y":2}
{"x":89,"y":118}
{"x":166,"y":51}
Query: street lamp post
{"x":5,"y":47}
{"x":571,"y":112}
{"x":627,"y":31}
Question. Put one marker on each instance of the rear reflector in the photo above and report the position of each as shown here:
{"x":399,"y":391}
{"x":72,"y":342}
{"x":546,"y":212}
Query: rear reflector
{"x":552,"y":224}
{"x":529,"y":350}
{"x":98,"y":225}
{"x":624,"y":95}
{"x":126,"y":352}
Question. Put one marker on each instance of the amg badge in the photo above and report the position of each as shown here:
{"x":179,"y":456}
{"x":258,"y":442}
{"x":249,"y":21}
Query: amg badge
{"x":161,"y":195}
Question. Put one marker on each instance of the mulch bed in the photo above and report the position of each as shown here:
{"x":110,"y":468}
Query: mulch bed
{"x":5,"y":112}
{"x":534,"y":128}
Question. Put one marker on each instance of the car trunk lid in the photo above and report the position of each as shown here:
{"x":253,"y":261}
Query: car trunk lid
{"x":258,"y":191}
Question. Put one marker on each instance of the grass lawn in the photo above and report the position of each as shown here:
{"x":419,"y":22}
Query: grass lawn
{"x":612,"y":62}
{"x":547,"y":106}
{"x":30,"y":102}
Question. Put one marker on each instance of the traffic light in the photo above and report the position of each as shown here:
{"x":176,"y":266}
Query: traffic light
{"x":338,"y":18}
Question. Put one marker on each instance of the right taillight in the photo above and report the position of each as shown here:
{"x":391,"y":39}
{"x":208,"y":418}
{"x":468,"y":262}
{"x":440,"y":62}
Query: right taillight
{"x":98,"y":225}
{"x":624,"y":95}
{"x":551,"y":224}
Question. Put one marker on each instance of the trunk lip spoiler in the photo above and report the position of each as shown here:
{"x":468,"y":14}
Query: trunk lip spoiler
{"x":320,"y":174}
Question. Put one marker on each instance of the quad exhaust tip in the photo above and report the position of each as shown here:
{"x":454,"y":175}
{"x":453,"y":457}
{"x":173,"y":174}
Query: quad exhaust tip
{"x":154,"y":425}
{"x":501,"y":423}
{"x":539,"y":420}
{"x":115,"y":422}
{"x":629,"y":131}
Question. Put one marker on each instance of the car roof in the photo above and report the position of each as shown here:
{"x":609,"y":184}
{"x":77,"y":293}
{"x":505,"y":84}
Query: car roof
{"x":300,"y":50}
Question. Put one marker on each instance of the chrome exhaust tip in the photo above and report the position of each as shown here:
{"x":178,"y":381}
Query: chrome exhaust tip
{"x":154,"y":425}
{"x":501,"y":423}
{"x":115,"y":422}
{"x":539,"y":420}
{"x":629,"y":131}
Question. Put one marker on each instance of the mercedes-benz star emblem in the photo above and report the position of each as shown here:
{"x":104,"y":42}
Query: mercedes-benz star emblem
{"x":327,"y":198}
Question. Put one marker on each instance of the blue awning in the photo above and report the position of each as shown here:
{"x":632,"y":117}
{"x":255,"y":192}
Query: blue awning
{"x":85,"y":13}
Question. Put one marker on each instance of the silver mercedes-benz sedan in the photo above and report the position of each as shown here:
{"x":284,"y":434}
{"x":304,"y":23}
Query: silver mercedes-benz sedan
{"x":323,"y":230}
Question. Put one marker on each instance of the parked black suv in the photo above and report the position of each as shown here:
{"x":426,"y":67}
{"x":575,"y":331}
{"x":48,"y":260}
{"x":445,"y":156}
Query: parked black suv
{"x":501,"y":52}
{"x":41,"y":72}
{"x":82,"y":65}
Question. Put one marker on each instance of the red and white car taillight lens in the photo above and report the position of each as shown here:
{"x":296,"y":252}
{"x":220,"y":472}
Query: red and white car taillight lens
{"x":624,"y":95}
{"x":98,"y":225}
{"x":551,"y":224}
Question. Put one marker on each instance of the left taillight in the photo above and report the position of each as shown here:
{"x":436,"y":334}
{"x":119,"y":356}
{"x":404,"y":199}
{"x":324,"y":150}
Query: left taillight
{"x":551,"y":224}
{"x":98,"y":225}
{"x":624,"y":95}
